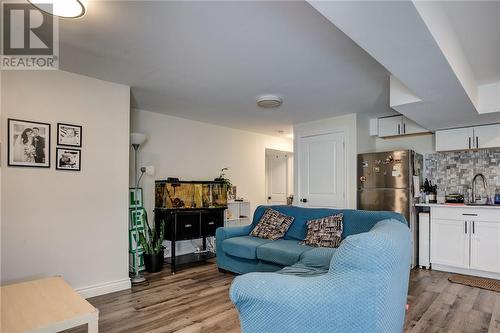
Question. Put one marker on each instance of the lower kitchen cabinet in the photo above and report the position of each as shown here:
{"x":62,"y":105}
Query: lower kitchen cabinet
{"x":450,"y":243}
{"x":465,"y":240}
{"x":485,"y":246}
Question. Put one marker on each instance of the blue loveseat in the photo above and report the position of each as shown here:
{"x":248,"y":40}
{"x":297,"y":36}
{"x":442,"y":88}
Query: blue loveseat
{"x":359,"y":287}
{"x":240,"y":253}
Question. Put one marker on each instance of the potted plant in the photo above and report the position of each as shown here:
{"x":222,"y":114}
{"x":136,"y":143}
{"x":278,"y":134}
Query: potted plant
{"x":222,"y":177}
{"x":152,"y":243}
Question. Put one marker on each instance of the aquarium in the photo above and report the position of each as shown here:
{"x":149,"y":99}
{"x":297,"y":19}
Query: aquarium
{"x":190,"y":194}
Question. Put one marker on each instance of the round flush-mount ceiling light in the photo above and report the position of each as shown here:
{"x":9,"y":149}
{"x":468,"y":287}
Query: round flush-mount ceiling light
{"x":269,"y":101}
{"x":62,"y":8}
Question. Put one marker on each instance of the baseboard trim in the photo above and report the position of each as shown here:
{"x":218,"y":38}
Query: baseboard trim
{"x":104,"y":288}
{"x":464,"y":271}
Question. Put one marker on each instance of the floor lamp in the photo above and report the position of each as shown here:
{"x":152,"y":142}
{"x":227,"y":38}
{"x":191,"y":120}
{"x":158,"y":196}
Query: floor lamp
{"x":136,"y":140}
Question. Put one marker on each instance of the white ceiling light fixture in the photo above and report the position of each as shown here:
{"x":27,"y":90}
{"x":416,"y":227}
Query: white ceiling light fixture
{"x":269,"y":101}
{"x":62,"y":8}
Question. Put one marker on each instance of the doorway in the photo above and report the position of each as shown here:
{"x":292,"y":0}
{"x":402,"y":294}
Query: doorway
{"x":279,"y":176}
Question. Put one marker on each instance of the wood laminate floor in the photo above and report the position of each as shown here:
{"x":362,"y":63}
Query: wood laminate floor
{"x":196,"y":300}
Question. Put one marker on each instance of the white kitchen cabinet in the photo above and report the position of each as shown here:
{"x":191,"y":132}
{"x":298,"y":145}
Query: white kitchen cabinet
{"x":485,"y":246}
{"x":454,"y":139}
{"x":398,"y":125}
{"x":450,"y":243}
{"x":390,"y":126}
{"x":487,"y":136}
{"x":411,"y":127}
{"x":465,"y":240}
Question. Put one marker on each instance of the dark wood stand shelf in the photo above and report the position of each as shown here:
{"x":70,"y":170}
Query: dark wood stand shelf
{"x":188,"y":224}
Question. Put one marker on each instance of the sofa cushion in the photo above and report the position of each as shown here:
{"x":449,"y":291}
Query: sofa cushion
{"x":244,"y":246}
{"x":300,"y":269}
{"x":281,"y":251}
{"x":324,"y":232}
{"x":273,"y":225}
{"x":318,"y":257}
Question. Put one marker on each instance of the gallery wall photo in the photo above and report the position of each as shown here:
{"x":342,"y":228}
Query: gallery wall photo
{"x":69,"y":135}
{"x":68,"y":159}
{"x":28,"y":143}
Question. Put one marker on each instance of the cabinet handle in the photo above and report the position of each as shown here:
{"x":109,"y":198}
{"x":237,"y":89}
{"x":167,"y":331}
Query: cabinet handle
{"x":477,"y":142}
{"x":469,"y":142}
{"x":399,"y":128}
{"x":188,"y":225}
{"x":473,"y":227}
{"x":404,"y":128}
{"x":469,"y":214}
{"x":211,"y":223}
{"x":465,"y":223}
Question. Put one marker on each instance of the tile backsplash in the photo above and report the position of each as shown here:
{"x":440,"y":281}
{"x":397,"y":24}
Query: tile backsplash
{"x":453,"y":171}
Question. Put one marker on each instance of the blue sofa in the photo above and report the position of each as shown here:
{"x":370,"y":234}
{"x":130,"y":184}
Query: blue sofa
{"x":362,"y":289}
{"x":240,"y":253}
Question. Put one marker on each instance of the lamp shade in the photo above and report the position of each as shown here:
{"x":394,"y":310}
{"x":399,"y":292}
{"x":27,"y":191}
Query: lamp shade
{"x":62,"y":8}
{"x":137,"y":138}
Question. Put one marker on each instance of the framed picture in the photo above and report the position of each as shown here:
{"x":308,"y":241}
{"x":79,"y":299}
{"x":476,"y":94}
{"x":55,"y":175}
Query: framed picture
{"x":28,"y":143}
{"x":68,"y":159}
{"x":69,"y":135}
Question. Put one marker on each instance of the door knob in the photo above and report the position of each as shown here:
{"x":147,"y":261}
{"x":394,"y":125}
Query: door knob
{"x":268,"y":198}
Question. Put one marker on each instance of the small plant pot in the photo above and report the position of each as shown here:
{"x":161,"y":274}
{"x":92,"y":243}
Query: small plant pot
{"x":153,"y":262}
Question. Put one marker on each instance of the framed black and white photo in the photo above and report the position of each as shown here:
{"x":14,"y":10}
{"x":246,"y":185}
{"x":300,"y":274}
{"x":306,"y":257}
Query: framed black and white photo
{"x":28,"y":143}
{"x":69,"y":135}
{"x":68,"y":159}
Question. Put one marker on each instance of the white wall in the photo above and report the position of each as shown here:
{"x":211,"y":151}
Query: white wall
{"x":191,"y":150}
{"x":73,"y":224}
{"x":420,"y":143}
{"x":364,"y":141}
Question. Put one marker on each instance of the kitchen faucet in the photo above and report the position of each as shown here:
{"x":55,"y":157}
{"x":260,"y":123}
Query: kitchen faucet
{"x":474,"y":189}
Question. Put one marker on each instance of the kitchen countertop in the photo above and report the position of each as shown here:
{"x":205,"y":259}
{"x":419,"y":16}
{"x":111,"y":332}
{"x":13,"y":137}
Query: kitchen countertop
{"x":456,"y":206}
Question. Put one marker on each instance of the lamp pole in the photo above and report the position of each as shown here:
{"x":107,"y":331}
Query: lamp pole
{"x":137,"y":278}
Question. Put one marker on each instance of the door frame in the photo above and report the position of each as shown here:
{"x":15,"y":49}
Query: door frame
{"x":298,"y":180}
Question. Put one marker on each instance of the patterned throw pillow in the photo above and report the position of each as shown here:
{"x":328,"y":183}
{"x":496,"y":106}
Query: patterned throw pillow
{"x":272,"y":225}
{"x":324,"y":232}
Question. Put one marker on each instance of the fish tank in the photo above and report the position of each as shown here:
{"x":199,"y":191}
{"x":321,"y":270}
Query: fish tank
{"x":176,"y":194}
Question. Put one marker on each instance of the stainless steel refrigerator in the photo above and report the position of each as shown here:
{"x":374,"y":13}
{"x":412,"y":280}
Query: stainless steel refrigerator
{"x":388,"y":181}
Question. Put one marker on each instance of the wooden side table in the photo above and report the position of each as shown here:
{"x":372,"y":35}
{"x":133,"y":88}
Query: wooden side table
{"x":45,"y":305}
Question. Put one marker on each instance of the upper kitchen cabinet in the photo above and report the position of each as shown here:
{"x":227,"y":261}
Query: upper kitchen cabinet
{"x":487,"y":136}
{"x":398,"y":125}
{"x":478,"y":137}
{"x":454,"y":139}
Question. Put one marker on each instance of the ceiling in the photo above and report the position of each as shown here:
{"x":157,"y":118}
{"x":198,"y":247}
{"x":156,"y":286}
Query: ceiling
{"x":477,"y":26}
{"x":416,"y":42}
{"x":208,"y":61}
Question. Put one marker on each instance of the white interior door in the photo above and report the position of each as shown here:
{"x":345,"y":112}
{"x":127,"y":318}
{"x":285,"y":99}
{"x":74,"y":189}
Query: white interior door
{"x":322,"y":172}
{"x":277,"y":177}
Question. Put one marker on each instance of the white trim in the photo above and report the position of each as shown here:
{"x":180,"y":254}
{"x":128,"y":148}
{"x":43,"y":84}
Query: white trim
{"x":104,"y":288}
{"x":465,"y":271}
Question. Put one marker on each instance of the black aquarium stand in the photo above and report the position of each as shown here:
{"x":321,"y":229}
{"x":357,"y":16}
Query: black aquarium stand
{"x":187,"y":224}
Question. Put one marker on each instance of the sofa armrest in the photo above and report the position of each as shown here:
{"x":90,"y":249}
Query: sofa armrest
{"x":272,"y":302}
{"x":230,"y":232}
